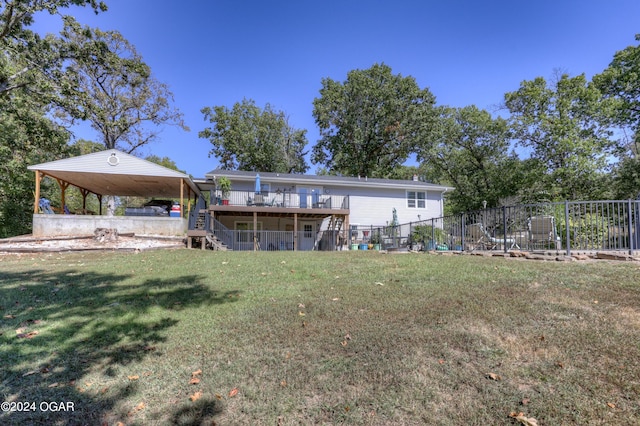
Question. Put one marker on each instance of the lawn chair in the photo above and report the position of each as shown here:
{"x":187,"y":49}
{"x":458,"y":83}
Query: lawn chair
{"x":542,"y":230}
{"x":479,"y":237}
{"x":45,"y":206}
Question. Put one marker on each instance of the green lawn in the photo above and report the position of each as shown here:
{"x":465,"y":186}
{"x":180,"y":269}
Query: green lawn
{"x":278,"y":338}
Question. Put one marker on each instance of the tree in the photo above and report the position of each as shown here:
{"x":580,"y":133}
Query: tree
{"x":164,"y":162}
{"x":370,"y":122}
{"x":108,"y":84}
{"x":469,"y":149}
{"x":563,"y":124}
{"x":29,"y":61}
{"x":621,"y":83}
{"x":27,"y":136}
{"x":248,"y":138}
{"x":30,"y":82}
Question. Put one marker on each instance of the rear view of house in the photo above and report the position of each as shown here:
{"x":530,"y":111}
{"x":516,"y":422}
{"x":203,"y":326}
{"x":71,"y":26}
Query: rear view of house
{"x":276,"y":211}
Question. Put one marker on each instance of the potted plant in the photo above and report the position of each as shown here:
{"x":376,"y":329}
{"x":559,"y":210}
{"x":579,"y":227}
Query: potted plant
{"x":376,"y":240}
{"x":224,"y":185}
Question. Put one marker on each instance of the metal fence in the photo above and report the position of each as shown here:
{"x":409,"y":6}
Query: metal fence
{"x":609,"y":225}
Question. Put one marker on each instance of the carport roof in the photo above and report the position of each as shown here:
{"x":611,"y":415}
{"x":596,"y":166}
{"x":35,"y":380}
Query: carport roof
{"x":113,"y":172}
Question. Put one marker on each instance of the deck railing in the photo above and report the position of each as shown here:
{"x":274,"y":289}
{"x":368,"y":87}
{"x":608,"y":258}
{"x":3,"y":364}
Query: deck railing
{"x":301,"y":200}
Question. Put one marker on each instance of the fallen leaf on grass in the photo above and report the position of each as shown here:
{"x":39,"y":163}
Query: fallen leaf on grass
{"x":527,"y":421}
{"x":194,"y":377}
{"x":137,"y":408}
{"x":335,"y":299}
{"x":53,"y":385}
{"x":378,"y":283}
{"x":196,"y":396}
{"x":301,"y":313}
{"x":29,"y":373}
{"x":301,"y":305}
{"x":493,"y":376}
{"x":525,"y":401}
{"x":283,"y":383}
{"x":441,"y":361}
{"x":218,"y":396}
{"x":29,"y":335}
{"x":611,"y":405}
{"x":9,"y":316}
{"x":233,"y":392}
{"x":344,"y":343}
{"x":133,"y":377}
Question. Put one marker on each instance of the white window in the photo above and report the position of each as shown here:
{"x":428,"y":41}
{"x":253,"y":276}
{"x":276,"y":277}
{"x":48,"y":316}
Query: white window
{"x":416,"y":199}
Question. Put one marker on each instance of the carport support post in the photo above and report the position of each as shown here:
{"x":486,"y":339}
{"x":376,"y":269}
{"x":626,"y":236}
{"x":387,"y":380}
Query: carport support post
{"x":181,"y":196}
{"x":37,"y":200}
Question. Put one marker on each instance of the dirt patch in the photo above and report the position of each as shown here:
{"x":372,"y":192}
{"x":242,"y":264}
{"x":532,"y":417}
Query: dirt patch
{"x":129,"y":242}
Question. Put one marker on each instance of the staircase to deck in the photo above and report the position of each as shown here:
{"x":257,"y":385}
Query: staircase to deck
{"x":200,"y":230}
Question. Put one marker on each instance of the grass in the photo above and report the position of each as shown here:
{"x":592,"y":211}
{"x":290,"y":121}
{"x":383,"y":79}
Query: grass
{"x":277,"y":338}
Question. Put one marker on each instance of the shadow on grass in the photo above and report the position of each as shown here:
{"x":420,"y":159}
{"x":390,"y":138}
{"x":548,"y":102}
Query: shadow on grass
{"x":57,"y":328}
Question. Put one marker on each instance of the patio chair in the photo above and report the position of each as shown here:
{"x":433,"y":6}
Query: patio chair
{"x":479,"y":237}
{"x":45,"y":206}
{"x":542,"y":230}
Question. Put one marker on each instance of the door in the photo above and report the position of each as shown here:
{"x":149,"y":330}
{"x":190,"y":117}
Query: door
{"x":309,"y":196}
{"x":307,"y":235}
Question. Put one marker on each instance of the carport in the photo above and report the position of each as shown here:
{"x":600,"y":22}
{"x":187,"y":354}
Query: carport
{"x":112,"y":173}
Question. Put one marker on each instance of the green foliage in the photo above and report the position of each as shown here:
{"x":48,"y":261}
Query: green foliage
{"x":26,"y":137}
{"x":469,"y":150}
{"x":370,"y":123}
{"x":30,"y":62}
{"x":223,"y":184}
{"x":107,"y":84}
{"x":164,"y":162}
{"x":563,"y":124}
{"x":253,"y":139}
{"x":620,"y":81}
{"x":425,"y":233}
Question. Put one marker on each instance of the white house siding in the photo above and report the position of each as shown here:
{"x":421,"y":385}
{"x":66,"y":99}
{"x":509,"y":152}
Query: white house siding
{"x":374,"y":206}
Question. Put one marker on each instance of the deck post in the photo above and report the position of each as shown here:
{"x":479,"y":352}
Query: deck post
{"x":295,"y":232}
{"x":255,"y":231}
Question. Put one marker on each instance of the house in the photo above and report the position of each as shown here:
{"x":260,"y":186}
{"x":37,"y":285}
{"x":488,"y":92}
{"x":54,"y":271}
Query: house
{"x":262,"y":211}
{"x":279,"y":211}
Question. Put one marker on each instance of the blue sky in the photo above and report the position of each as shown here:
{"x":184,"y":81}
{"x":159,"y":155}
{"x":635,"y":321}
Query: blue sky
{"x":466,"y":52}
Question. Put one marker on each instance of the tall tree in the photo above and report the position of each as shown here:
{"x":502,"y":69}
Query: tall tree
{"x":370,"y":122}
{"x":246,"y":137}
{"x":620,"y":82}
{"x":563,"y":125}
{"x":27,"y":136}
{"x":469,"y":149}
{"x":30,"y":61}
{"x":109,"y":85}
{"x":31,"y":67}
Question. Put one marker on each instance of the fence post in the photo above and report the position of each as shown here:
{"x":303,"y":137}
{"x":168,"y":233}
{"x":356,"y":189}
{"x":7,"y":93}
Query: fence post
{"x":433,"y":234}
{"x":566,"y":226}
{"x":463,"y":232}
{"x":630,"y":226}
{"x":504,"y":227}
